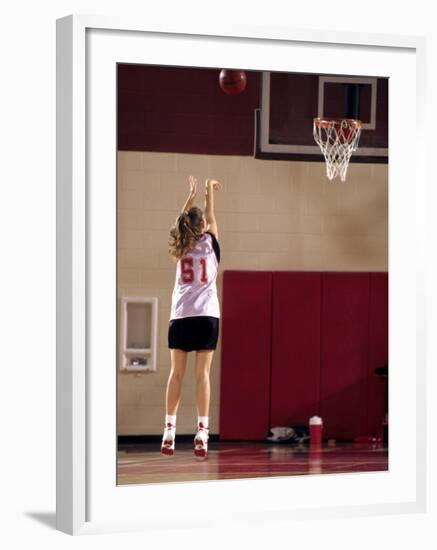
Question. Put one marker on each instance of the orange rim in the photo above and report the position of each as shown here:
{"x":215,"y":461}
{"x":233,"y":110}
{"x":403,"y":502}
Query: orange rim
{"x":326,"y":122}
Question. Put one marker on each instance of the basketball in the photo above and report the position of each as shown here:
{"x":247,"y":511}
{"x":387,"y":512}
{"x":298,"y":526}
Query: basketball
{"x":232,"y":82}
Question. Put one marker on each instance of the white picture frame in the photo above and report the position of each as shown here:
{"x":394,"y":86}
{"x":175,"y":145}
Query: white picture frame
{"x":88,"y":500}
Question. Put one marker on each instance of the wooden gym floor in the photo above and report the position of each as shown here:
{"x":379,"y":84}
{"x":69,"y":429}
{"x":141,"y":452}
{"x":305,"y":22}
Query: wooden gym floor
{"x":138,"y":464}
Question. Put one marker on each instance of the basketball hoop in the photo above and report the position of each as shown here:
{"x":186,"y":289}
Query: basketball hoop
{"x":337,"y":138}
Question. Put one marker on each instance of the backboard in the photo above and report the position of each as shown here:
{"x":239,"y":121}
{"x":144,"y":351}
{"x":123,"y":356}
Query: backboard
{"x":290,"y":101}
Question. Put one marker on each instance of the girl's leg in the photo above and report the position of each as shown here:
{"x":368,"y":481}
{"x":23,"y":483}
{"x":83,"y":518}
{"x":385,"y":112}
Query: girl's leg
{"x":203,"y":388}
{"x":203,"y":391}
{"x":174,"y":383}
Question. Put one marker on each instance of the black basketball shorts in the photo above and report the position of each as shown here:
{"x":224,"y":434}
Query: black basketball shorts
{"x":193,"y":333}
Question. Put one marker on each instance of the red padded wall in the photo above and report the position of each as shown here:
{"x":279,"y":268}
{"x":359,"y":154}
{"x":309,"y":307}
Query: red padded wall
{"x":245,"y":355}
{"x":344,"y":354}
{"x":296,"y":344}
{"x":378,"y":350}
{"x":295,"y":376}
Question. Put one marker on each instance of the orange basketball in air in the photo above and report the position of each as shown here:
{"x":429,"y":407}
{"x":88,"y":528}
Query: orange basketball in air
{"x":232,"y":82}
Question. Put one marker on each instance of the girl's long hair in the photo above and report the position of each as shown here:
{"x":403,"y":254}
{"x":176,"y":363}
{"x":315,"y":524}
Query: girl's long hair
{"x":185,"y":232}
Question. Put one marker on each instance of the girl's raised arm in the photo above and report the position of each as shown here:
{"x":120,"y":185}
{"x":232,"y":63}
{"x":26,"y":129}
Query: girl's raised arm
{"x":193,"y":190}
{"x":210,"y":186}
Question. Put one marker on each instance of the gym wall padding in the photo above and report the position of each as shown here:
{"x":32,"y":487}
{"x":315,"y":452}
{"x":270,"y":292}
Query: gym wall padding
{"x":295,"y":366}
{"x":378,"y":349}
{"x":245,"y":355}
{"x":344,"y":350}
{"x":305,"y":343}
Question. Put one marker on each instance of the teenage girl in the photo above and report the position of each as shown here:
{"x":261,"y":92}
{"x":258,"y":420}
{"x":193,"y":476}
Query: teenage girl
{"x":195,"y":312}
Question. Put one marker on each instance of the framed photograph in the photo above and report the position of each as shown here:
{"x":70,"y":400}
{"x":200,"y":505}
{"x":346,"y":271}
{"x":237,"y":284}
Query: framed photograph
{"x":313,"y":289}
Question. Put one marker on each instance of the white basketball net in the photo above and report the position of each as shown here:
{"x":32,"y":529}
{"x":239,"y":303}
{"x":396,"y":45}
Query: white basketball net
{"x":337,"y":139}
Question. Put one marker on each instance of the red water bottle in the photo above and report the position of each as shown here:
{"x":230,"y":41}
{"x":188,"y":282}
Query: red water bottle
{"x":316,"y":426}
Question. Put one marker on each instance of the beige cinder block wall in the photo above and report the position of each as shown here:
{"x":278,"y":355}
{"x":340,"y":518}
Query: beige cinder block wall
{"x":271,"y":215}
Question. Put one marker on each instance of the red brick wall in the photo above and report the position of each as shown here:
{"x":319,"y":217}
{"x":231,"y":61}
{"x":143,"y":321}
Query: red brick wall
{"x":183,"y":110}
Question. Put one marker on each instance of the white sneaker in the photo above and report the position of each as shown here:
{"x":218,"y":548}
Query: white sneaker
{"x":201,"y":441}
{"x":168,"y":440}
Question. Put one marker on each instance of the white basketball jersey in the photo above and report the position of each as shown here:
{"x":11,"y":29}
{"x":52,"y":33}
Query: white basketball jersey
{"x":195,"y":291}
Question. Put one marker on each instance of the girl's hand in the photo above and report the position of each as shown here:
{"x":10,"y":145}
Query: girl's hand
{"x":193,"y":186}
{"x":212,"y":183}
